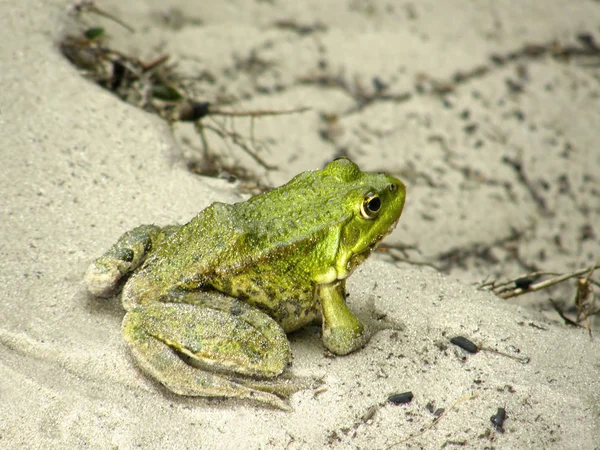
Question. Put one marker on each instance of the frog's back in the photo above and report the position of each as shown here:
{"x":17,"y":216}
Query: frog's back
{"x":225,"y":239}
{"x":276,"y":231}
{"x":193,"y":253}
{"x":296,"y":212}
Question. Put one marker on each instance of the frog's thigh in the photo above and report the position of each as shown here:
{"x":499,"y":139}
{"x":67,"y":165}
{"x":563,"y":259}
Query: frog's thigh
{"x":219,"y":344}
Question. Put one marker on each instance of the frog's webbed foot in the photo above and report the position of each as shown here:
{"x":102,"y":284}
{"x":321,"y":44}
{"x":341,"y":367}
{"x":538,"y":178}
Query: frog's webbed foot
{"x":283,"y":385}
{"x":224,"y":348}
{"x":103,"y":275}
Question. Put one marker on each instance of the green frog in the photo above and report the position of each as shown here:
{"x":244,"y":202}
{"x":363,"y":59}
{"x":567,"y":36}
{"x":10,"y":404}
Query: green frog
{"x":208,"y":304}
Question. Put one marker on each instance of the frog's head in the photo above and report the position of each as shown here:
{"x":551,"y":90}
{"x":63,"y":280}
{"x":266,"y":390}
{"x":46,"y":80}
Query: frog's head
{"x":373,"y":204}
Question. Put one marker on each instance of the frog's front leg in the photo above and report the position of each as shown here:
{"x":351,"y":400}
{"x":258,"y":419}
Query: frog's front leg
{"x":126,"y":255}
{"x":211,"y":346}
{"x":342,"y":331}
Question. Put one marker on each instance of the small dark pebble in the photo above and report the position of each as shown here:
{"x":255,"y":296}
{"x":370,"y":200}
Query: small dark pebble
{"x":465,"y":344}
{"x":499,"y":418}
{"x":523,"y":283}
{"x":192,"y":111}
{"x":119,"y":71}
{"x":587,"y":40}
{"x":398,"y":399}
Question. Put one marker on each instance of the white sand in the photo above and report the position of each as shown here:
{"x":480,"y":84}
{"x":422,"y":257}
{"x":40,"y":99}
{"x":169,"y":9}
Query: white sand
{"x":78,"y":167}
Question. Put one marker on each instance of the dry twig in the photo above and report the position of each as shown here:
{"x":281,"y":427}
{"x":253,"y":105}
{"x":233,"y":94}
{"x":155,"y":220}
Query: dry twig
{"x":156,"y":87}
{"x":585,"y":297}
{"x":89,"y":6}
{"x":522,"y":288}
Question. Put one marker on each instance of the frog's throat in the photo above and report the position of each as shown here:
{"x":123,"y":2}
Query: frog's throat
{"x":345,"y":264}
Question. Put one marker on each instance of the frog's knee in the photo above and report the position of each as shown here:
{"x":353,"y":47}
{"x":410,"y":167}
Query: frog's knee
{"x":103,"y":275}
{"x":102,"y":279}
{"x":134,"y":245}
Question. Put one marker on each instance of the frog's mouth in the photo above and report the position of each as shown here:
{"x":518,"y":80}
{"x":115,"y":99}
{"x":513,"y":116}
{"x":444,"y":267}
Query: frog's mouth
{"x":390,"y":229}
{"x":381,"y":237}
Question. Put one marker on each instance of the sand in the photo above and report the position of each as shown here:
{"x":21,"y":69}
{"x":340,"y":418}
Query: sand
{"x":79,"y":167}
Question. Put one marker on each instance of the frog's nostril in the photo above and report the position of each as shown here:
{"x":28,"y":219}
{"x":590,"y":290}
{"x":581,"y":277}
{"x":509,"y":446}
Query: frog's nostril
{"x":393,"y":187}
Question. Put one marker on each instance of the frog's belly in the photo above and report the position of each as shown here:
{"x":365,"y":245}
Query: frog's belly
{"x":290,"y":315}
{"x":292,"y":303}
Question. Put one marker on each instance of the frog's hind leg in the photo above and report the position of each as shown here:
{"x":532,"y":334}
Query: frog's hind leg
{"x":103,"y":275}
{"x":197,"y":350}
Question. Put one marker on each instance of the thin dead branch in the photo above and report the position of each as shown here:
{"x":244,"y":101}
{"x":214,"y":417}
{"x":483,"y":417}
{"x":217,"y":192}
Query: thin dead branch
{"x":585,"y":297}
{"x":562,"y":315}
{"x":513,"y":292}
{"x":89,"y":6}
{"x":157,"y":87}
{"x":258,"y":112}
{"x":585,"y":300}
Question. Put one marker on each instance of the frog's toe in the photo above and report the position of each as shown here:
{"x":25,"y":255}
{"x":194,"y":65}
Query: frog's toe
{"x":283,"y":386}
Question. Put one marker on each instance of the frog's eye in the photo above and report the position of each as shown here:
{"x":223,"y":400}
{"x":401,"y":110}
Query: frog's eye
{"x":370,"y":206}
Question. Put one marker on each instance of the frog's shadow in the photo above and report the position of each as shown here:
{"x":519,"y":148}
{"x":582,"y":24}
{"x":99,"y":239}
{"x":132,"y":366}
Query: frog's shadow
{"x":109,"y":306}
{"x":306,"y":342}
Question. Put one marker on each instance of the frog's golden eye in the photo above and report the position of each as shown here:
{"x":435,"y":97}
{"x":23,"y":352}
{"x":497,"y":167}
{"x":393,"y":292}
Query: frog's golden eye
{"x":370,"y":206}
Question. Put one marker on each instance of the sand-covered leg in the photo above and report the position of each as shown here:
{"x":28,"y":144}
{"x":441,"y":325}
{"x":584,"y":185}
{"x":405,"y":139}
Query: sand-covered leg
{"x":196,"y":350}
{"x":103,"y":275}
{"x":342,"y":331}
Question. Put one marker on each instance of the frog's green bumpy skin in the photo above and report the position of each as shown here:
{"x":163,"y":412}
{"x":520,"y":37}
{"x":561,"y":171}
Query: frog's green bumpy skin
{"x":208,"y":303}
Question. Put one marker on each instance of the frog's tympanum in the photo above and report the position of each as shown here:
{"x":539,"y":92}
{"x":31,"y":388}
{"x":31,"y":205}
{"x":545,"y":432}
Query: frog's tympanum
{"x":209,"y":303}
